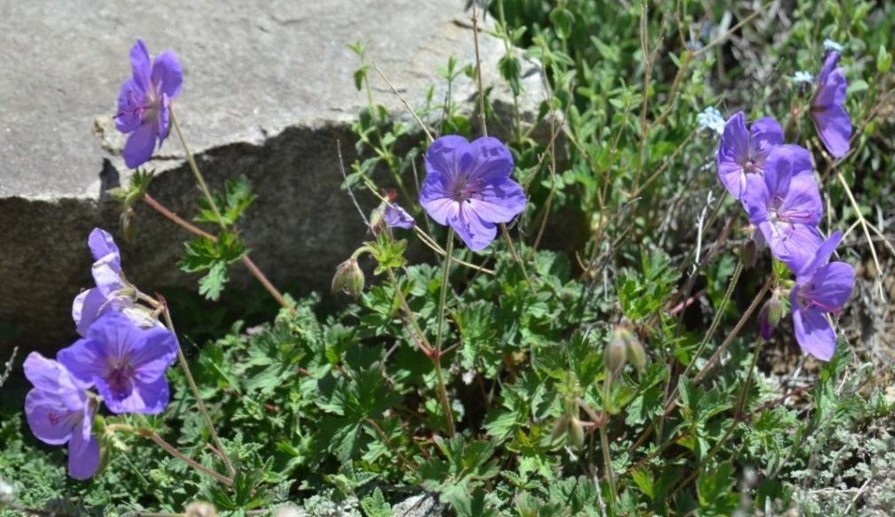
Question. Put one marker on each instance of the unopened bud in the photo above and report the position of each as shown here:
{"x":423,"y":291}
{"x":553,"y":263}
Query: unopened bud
{"x":348,"y":278}
{"x":749,"y":253}
{"x":576,"y":433}
{"x":559,"y":428}
{"x":377,"y":219}
{"x":769,"y":317}
{"x":637,"y":354}
{"x":616,"y":353}
{"x":129,"y":224}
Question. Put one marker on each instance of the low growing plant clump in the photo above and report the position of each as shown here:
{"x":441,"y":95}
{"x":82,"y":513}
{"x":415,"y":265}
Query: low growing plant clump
{"x":569,"y":323}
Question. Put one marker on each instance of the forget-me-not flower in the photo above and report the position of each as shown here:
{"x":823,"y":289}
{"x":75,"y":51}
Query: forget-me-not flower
{"x":711,"y":119}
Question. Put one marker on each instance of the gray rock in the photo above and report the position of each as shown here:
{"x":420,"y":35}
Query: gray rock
{"x":268,"y":91}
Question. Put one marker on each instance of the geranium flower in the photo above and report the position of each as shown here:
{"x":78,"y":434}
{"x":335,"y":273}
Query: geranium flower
{"x":828,"y":107}
{"x":125,"y":362}
{"x":397,"y":217}
{"x":112,"y":292}
{"x":822,"y":287}
{"x":59,"y":411}
{"x":785,"y":204}
{"x":743,"y":152}
{"x":468,"y":187}
{"x":144,"y":102}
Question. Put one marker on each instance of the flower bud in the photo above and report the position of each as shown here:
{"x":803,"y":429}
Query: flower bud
{"x":348,"y":278}
{"x":749,"y":253}
{"x":559,"y":428}
{"x":129,"y":224}
{"x":616,"y":353}
{"x":637,"y":354}
{"x":576,"y":433}
{"x":769,"y":317}
{"x":377,"y":219}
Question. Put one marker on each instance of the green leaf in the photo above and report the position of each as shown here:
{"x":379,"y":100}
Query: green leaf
{"x":883,"y":60}
{"x":563,"y":22}
{"x":237,"y":198}
{"x":375,"y":505}
{"x":211,"y":285}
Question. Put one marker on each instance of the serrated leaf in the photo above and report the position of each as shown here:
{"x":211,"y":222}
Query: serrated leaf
{"x":212,"y":284}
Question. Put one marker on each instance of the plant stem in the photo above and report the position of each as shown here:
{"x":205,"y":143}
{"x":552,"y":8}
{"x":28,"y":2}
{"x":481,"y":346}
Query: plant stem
{"x":170,"y":449}
{"x":176,"y":219}
{"x":478,"y":68}
{"x":445,"y":287}
{"x":421,"y":340}
{"x":246,"y":260}
{"x":436,"y":355}
{"x":195,"y":389}
{"x":442,"y":395}
{"x":191,"y":160}
{"x":604,"y":445}
{"x":509,"y":242}
{"x":607,"y":462}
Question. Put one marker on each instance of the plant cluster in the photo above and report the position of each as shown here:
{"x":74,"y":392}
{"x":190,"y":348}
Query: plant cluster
{"x":546,"y":331}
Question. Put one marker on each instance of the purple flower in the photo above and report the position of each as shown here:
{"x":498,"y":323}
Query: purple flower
{"x":125,"y":362}
{"x":112,"y":292}
{"x":828,"y":107}
{"x":397,"y":217}
{"x":821,"y":287}
{"x":144,"y":102}
{"x":59,"y":411}
{"x":468,"y":187}
{"x":785,"y":204}
{"x":743,"y":152}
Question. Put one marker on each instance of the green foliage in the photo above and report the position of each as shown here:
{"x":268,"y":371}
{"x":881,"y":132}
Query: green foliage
{"x":213,"y":255}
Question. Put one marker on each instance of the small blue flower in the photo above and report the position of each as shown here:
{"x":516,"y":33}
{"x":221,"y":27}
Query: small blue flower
{"x":802,"y":77}
{"x":832,"y":46}
{"x":711,"y":119}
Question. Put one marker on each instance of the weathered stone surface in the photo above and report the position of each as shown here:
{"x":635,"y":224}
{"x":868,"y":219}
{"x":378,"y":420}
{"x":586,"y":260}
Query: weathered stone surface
{"x":268,"y":92}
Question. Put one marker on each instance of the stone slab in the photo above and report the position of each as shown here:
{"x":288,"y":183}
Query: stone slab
{"x":268,"y":92}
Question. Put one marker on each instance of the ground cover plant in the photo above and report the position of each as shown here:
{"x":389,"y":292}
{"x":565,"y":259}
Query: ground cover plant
{"x":668,"y":294}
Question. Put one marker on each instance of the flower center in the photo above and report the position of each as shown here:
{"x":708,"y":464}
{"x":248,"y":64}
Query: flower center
{"x":464,"y":189}
{"x":120,"y":379}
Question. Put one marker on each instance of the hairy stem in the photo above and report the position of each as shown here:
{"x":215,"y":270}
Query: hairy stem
{"x":436,"y":356}
{"x":195,"y":389}
{"x":170,"y":449}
